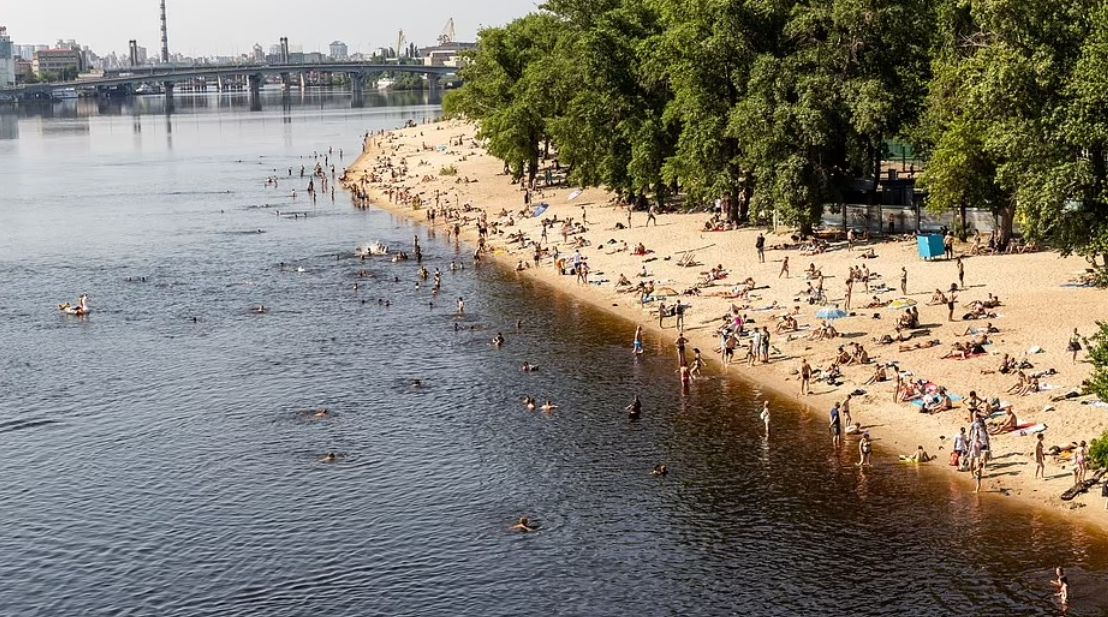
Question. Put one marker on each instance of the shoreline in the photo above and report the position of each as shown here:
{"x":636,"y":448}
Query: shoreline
{"x":896,"y":427}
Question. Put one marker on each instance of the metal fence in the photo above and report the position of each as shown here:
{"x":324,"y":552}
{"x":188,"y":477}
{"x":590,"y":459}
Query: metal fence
{"x":901,"y":219}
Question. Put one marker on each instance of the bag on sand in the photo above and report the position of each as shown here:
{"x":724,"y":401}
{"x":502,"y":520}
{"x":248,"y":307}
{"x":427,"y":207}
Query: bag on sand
{"x":955,"y":459}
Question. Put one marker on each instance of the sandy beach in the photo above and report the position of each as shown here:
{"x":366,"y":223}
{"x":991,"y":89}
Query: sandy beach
{"x":1035,"y":319}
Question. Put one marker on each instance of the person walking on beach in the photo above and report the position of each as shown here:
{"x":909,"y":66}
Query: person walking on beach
{"x":849,"y":293}
{"x":950,"y":306}
{"x":903,"y":281}
{"x":1074,"y":345}
{"x":961,"y":272}
{"x":661,"y":313}
{"x":948,"y":244}
{"x":784,"y":268}
{"x":805,"y":378}
{"x":652,"y":215}
{"x":1040,"y":458}
{"x":760,"y":245}
{"x":765,"y":416}
{"x":960,"y":448}
{"x":836,"y":426}
{"x":679,"y":311}
{"x":765,"y":344}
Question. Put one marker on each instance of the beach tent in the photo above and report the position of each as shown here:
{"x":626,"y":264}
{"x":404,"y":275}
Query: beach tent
{"x":930,"y":246}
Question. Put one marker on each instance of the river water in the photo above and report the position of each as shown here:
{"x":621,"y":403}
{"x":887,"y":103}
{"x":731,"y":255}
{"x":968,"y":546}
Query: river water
{"x":157,"y":466}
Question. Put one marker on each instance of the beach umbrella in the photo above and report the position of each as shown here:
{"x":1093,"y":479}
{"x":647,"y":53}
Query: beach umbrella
{"x":831,"y":314}
{"x":902,"y":303}
{"x":574,"y":195}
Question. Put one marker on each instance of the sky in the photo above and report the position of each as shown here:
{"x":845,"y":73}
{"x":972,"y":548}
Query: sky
{"x":231,"y":27}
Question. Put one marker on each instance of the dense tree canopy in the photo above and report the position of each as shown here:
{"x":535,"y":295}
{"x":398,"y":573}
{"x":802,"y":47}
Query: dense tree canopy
{"x":779,"y":107}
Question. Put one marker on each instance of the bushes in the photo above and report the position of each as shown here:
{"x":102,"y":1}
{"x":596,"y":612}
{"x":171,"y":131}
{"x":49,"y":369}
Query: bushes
{"x":1098,"y":451}
{"x":1098,"y":355}
{"x":449,"y":170}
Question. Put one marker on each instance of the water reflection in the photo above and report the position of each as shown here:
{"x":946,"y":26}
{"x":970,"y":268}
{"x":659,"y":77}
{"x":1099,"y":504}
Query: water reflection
{"x":205,"y":103}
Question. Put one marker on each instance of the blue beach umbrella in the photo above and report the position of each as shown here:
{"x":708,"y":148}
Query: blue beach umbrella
{"x":832,"y":314}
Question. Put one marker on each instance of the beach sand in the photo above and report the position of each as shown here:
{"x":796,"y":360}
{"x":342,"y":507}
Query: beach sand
{"x":1036,"y":310}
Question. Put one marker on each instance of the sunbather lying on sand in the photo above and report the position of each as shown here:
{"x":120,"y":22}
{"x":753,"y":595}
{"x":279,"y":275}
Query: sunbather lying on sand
{"x":937,"y":298}
{"x":923,"y":345}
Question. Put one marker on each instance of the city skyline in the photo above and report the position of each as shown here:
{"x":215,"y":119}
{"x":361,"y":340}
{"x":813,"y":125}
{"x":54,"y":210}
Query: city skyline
{"x":203,"y":28}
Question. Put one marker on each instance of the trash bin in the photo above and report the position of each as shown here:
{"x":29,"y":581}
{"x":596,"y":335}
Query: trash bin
{"x":930,"y":246}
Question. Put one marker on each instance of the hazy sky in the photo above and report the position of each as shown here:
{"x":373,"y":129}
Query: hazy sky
{"x":230,"y":27}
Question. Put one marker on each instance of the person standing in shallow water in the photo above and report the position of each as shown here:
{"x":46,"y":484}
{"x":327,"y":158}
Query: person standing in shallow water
{"x":765,"y":415}
{"x":836,"y":426}
{"x":865,"y":450}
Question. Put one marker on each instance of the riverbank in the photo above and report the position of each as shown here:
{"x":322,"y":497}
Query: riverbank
{"x":1038,"y":309}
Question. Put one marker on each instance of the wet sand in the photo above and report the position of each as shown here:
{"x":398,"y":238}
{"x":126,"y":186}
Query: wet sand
{"x":1037,"y":310}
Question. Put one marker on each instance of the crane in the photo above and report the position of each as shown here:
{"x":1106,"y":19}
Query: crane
{"x":448,"y":34}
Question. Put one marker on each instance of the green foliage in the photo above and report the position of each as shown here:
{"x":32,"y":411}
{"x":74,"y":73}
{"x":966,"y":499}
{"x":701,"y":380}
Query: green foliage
{"x":792,"y":103}
{"x":1098,"y":451}
{"x":1098,"y":355}
{"x":448,"y":170}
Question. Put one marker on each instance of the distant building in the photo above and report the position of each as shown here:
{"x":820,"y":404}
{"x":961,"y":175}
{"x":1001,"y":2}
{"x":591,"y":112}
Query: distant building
{"x":61,"y":62}
{"x":444,"y":55}
{"x":313,"y":57}
{"x":259,"y":54}
{"x":7,"y":60}
{"x":24,"y":70}
{"x":27,"y":52}
{"x":339,"y":50}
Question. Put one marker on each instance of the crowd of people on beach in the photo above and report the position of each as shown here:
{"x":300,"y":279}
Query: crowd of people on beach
{"x":752,"y":325}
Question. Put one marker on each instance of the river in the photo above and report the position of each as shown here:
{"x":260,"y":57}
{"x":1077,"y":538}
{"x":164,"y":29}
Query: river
{"x":157,"y":465}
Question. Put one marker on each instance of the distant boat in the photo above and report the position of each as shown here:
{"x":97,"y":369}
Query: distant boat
{"x":147,"y":89}
{"x":64,"y":93}
{"x":385,"y":83}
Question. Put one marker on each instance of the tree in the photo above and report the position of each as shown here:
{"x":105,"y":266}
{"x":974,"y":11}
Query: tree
{"x":1015,"y":97}
{"x":506,"y":89}
{"x":1098,"y":355}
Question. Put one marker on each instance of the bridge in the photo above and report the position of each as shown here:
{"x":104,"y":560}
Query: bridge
{"x":168,"y":77}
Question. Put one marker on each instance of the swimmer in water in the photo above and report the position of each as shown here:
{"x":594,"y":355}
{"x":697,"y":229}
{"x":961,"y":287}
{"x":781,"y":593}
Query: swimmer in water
{"x":659,"y":471}
{"x":528,"y":368}
{"x":634,"y":410}
{"x":549,"y":406}
{"x":529,"y":403}
{"x":519,"y":324}
{"x":417,"y":383}
{"x":498,"y":340}
{"x":322,"y":413}
{"x":330,"y":457}
{"x":261,"y":309}
{"x":523,"y":525}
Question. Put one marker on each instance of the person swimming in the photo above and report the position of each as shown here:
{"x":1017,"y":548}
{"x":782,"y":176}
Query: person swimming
{"x":529,"y":403}
{"x":330,"y":457}
{"x":524,"y":525}
{"x":549,"y":406}
{"x":322,"y":412}
{"x":528,"y":368}
{"x":659,"y":470}
{"x":634,"y":410}
{"x":498,"y":340}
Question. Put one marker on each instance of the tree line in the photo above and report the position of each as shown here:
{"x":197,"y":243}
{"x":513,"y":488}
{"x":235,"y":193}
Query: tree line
{"x":779,"y":106}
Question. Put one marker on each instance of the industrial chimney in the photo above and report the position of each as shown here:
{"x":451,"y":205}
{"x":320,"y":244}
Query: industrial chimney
{"x":165,"y":38}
